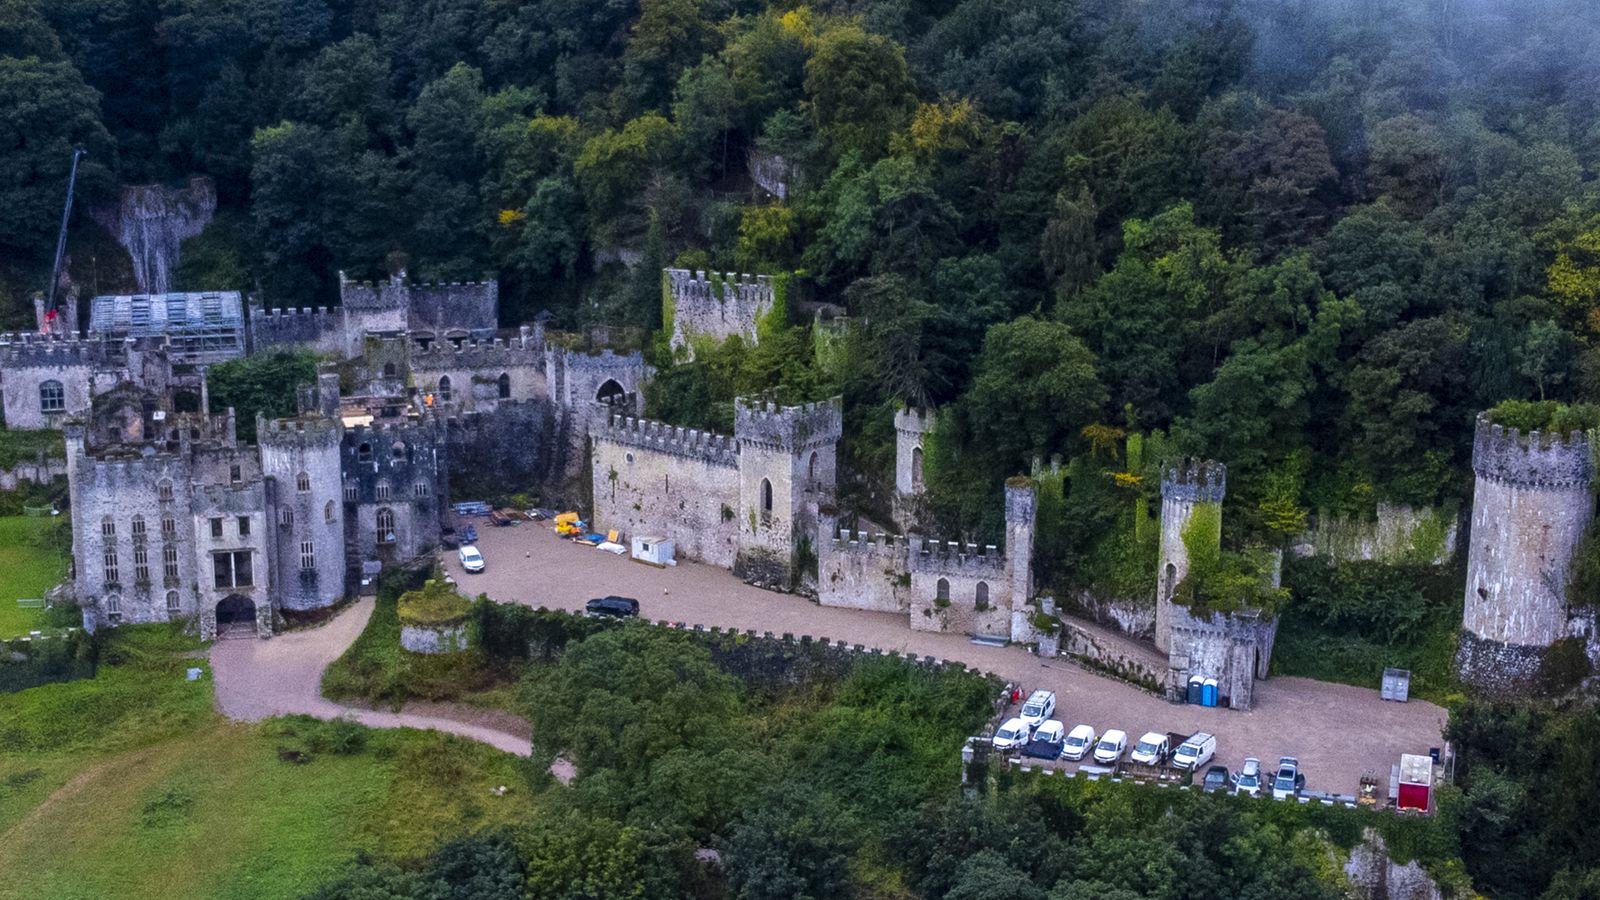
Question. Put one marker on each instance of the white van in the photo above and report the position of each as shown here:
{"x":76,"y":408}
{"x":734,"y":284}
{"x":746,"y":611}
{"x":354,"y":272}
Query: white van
{"x":1151,"y":749}
{"x":1195,"y":751}
{"x":1111,"y":746}
{"x":1013,"y":734}
{"x":1079,"y":742}
{"x":1039,"y":706}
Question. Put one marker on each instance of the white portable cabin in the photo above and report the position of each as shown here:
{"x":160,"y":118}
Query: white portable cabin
{"x":656,"y":551}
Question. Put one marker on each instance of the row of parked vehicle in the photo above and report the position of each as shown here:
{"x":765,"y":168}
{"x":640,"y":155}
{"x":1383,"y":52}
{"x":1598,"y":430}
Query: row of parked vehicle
{"x":1035,"y":734}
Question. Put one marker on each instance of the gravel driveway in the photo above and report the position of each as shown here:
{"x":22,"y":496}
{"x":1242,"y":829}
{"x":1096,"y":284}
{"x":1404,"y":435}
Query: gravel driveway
{"x":1338,"y":732}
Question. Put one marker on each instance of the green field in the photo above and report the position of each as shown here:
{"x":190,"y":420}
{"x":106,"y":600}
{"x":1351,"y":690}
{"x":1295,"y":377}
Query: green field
{"x":27,"y":570}
{"x":186,"y":804}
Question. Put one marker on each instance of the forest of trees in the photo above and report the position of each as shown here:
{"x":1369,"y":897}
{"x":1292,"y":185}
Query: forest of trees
{"x":1310,"y":239}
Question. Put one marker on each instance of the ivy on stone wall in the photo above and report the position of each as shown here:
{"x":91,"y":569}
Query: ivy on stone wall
{"x":1222,"y":580}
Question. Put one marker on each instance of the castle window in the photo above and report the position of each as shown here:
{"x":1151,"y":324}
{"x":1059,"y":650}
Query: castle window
{"x":420,"y":489}
{"x":811,"y":468}
{"x":141,"y":565}
{"x":52,"y":398}
{"x":983,"y":595}
{"x":169,"y":561}
{"x":444,"y":388}
{"x":504,"y":385}
{"x":942,"y":591}
{"x":169,"y":527}
{"x":108,"y":528}
{"x":138,"y":527}
{"x":629,"y":457}
{"x":216,"y":527}
{"x":349,"y":493}
{"x":234,"y":475}
{"x":233,"y":569}
{"x":327,"y":513}
{"x":389,"y":370}
{"x":383,"y":491}
{"x":164,"y":491}
{"x":386,"y":526}
{"x":364,"y":453}
{"x":398,"y":451}
{"x":174,"y":605}
{"x":766,"y":497}
{"x":113,"y":575}
{"x":610,"y":392}
{"x":114,"y":608}
{"x":302,"y":482}
{"x":244,"y":526}
{"x":286,"y":518}
{"x":308,"y":556}
{"x":916,"y":468}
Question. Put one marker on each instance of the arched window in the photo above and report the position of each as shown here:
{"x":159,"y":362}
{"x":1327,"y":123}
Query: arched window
{"x":302,"y":482}
{"x":504,"y":384}
{"x":108,"y":528}
{"x":766,"y":497}
{"x":327,"y":513}
{"x":383,"y":491}
{"x":444,"y":388}
{"x":386,"y":526}
{"x":916,"y":468}
{"x":1171,"y":580}
{"x":983,"y":595}
{"x":610,"y":391}
{"x":286,"y":517}
{"x":364,"y":453}
{"x":398,"y":451}
{"x":174,"y":605}
{"x":138,"y":527}
{"x":164,"y":490}
{"x":942,"y":591}
{"x":169,"y":528}
{"x":114,"y":607}
{"x":52,"y":397}
{"x":811,"y":468}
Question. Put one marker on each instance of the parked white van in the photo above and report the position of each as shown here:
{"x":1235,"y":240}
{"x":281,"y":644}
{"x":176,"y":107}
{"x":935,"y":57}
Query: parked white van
{"x":1013,"y":734}
{"x":1111,"y":746}
{"x":1151,"y":749}
{"x":1195,"y":751}
{"x":1079,"y":742}
{"x":1039,"y":706}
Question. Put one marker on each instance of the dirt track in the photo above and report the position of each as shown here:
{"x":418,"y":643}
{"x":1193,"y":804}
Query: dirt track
{"x":1337,"y":731}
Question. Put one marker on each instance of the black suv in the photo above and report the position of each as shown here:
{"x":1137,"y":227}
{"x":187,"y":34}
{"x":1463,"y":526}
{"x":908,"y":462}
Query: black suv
{"x":620,"y":607}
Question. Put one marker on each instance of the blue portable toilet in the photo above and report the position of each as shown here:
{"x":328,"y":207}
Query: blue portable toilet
{"x":1195,"y":683}
{"x":1208,"y":692}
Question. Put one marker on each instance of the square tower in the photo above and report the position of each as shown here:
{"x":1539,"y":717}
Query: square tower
{"x":911,"y":430}
{"x":788,"y":461}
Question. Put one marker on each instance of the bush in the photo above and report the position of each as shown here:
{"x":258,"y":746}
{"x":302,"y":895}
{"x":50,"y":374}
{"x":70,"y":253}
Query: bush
{"x":1548,"y":416}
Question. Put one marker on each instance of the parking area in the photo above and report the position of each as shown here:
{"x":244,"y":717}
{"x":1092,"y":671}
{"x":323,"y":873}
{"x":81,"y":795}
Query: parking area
{"x":1338,"y":732}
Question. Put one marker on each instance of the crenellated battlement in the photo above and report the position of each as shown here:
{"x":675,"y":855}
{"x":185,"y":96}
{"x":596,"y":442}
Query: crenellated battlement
{"x":877,"y":543}
{"x":649,"y":434}
{"x":474,"y":354}
{"x":1534,"y":460}
{"x":373,"y":432}
{"x":720,"y":287}
{"x":29,"y":350}
{"x":1196,"y":481}
{"x":956,"y":558}
{"x":790,"y":428}
{"x":308,"y":430}
{"x":915,"y":420}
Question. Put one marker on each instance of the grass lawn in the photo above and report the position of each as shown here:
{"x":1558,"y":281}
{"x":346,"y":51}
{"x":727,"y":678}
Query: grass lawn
{"x":1346,"y":659}
{"x":130,"y":785}
{"x":26,"y":571}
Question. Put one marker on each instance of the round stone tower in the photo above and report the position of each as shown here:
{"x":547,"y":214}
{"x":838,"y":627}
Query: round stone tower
{"x":1530,"y":507}
{"x":911,"y":428}
{"x":1184,"y":489}
{"x":300,"y":459}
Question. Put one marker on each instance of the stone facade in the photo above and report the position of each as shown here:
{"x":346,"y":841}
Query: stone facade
{"x":1183,"y":489}
{"x":1530,"y":508}
{"x":716,"y":307}
{"x":46,"y":380}
{"x":430,"y":311}
{"x":911,"y":428}
{"x":300,"y":459}
{"x":1396,"y":534}
{"x":431,"y":639}
{"x":393,"y":482}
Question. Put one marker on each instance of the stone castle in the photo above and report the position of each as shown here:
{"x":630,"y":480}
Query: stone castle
{"x":715,"y":307}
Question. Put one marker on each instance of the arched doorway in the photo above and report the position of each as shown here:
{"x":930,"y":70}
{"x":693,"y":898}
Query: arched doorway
{"x":610,"y":391}
{"x":236,"y":617}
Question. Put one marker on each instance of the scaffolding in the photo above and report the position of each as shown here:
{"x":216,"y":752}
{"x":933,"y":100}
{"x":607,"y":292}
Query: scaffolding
{"x":201,"y":327}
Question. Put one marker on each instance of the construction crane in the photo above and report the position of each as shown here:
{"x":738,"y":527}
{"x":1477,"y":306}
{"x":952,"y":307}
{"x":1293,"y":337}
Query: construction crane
{"x":61,"y":237}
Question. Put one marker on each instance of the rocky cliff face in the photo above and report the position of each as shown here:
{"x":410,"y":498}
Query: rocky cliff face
{"x":151,"y":221}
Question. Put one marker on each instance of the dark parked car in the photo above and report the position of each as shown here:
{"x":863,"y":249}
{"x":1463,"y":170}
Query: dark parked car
{"x":620,"y":607}
{"x":1216,"y":779}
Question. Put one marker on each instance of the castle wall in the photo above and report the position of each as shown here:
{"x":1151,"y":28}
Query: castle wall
{"x":474,"y":371}
{"x":518,"y":443}
{"x":394,"y":468}
{"x":716,"y":307}
{"x":651,"y":478}
{"x":308,"y":446}
{"x":1182,"y":490}
{"x":436,"y":310}
{"x":217,"y":495}
{"x":911,"y":428}
{"x":965,"y":569}
{"x":576,"y":378}
{"x":1392,"y":536}
{"x":857,"y":570}
{"x":27,"y":361}
{"x":319,"y":330}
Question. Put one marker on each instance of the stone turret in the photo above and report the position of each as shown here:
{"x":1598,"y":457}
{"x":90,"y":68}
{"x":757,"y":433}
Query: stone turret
{"x":788,"y":459}
{"x":911,"y":429}
{"x":301,"y":459}
{"x":717,"y":306}
{"x":1530,"y":508}
{"x":1022,"y":508}
{"x":1185,"y":488}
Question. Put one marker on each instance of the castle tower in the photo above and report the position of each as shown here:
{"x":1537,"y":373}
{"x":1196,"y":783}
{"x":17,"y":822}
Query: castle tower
{"x":717,"y":306}
{"x":1022,"y":506}
{"x":788,"y":459}
{"x":1185,"y":489}
{"x":1530,"y":507}
{"x":911,"y":428}
{"x":305,"y":509}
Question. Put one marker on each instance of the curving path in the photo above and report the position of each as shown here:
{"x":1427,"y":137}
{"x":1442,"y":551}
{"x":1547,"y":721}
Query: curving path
{"x":283,"y":676}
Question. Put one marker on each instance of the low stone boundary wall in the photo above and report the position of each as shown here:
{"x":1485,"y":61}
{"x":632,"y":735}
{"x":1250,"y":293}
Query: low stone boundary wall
{"x":1049,"y":771}
{"x":1081,"y":647}
{"x":41,"y":471}
{"x":447,"y":638}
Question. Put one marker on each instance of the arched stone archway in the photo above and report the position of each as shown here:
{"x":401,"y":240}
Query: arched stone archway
{"x":236,"y":617}
{"x":610,"y":391}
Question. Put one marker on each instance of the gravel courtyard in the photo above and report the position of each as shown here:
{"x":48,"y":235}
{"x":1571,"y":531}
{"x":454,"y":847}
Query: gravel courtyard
{"x":1338,"y":732}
